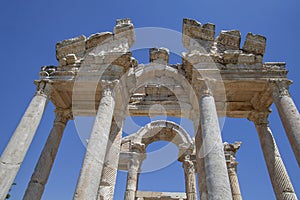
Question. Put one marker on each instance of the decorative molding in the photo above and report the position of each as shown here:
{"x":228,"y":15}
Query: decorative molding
{"x":63,"y":115}
{"x":43,"y":89}
{"x":259,"y":117}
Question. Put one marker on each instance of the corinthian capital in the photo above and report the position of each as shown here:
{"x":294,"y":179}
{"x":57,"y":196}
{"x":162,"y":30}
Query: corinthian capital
{"x":259,"y":117}
{"x":108,"y":87}
{"x":63,"y":115}
{"x":43,"y":89}
{"x":205,"y":87}
{"x":280,"y":87}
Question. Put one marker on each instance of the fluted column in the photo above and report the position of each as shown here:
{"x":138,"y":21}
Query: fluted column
{"x":230,"y":151}
{"x":134,"y":165}
{"x":90,"y":174}
{"x":200,"y":166}
{"x":280,"y":180}
{"x":16,"y":149}
{"x":190,"y":179}
{"x":217,"y":181}
{"x":289,"y":114}
{"x":43,"y":168}
{"x":109,"y":173}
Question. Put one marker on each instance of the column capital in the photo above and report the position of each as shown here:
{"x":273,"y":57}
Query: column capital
{"x":259,"y":117}
{"x":188,"y":164}
{"x":205,"y":87}
{"x":62,"y":115}
{"x":280,"y":87}
{"x":230,"y":155}
{"x":43,"y":89}
{"x":108,"y":87}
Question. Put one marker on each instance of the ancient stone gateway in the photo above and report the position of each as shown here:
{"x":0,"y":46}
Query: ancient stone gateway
{"x":97,"y":76}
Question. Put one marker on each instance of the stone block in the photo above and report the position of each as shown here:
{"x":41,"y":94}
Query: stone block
{"x":255,"y":44}
{"x":228,"y":40}
{"x":98,"y":38}
{"x":193,"y":30}
{"x":71,"y":46}
{"x":159,"y":55}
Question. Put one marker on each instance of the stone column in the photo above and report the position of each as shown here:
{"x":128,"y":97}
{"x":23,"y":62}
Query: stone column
{"x":190,"y":179}
{"x":16,"y":149}
{"x":289,"y":115}
{"x":230,"y":151}
{"x":109,"y":173}
{"x":280,"y":180}
{"x":217,"y":181}
{"x":200,"y":166}
{"x":134,"y":165}
{"x":43,"y":168}
{"x":90,"y":174}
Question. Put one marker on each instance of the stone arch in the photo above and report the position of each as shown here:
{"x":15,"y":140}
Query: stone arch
{"x":162,"y":130}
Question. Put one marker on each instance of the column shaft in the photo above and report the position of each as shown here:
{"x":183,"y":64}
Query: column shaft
{"x":289,"y":116}
{"x":109,"y":173}
{"x":200,"y":166}
{"x":234,"y":184}
{"x":132,"y":177}
{"x":43,"y":168}
{"x":16,"y":149}
{"x":90,"y":174}
{"x":190,"y":179}
{"x":280,"y":180}
{"x":217,"y":180}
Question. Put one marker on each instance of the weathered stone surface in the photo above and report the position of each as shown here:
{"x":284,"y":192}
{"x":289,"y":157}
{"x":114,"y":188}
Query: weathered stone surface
{"x":43,"y":168}
{"x":288,"y":113}
{"x":159,"y":55}
{"x":228,"y":40}
{"x":280,"y":180}
{"x":98,"y":39}
{"x":255,"y":44}
{"x":15,"y":151}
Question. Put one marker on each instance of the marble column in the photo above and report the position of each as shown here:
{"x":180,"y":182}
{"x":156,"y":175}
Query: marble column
{"x":190,"y":179}
{"x":200,"y":166}
{"x":289,"y":115}
{"x":43,"y":168}
{"x":109,"y":173}
{"x":217,"y":181}
{"x":134,"y":165}
{"x":280,"y":180}
{"x":90,"y":174}
{"x":230,"y":151}
{"x":16,"y":149}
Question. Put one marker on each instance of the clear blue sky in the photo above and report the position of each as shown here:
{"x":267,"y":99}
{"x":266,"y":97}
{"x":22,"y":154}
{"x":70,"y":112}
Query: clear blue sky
{"x":30,"y":29}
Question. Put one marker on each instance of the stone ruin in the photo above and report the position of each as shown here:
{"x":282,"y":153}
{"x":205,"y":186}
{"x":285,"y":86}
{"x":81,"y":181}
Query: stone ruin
{"x":97,"y":76}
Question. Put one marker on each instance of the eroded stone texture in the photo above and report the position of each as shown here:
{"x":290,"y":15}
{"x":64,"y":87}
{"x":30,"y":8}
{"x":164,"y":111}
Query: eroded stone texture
{"x":280,"y":180}
{"x":43,"y":168}
{"x":15,"y":151}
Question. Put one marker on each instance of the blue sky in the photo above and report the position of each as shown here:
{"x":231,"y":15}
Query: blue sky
{"x":30,"y":29}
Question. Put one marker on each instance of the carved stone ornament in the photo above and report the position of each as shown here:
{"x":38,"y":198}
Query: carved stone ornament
{"x":280,"y":88}
{"x":43,"y":89}
{"x":108,"y":87}
{"x":63,"y":115}
{"x":259,"y":118}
